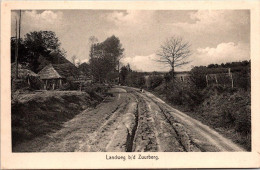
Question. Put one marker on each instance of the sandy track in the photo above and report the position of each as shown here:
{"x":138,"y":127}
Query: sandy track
{"x":132,"y":121}
{"x":192,"y":134}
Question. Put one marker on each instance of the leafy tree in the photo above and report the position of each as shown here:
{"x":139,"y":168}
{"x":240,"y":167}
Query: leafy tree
{"x":124,"y":72}
{"x":113,"y":49}
{"x":104,"y":58}
{"x":41,"y":43}
{"x":85,"y":68}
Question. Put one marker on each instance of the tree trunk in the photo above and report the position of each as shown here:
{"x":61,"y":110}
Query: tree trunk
{"x":172,"y":74}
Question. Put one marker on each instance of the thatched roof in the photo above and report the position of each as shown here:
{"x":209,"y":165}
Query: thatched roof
{"x":55,"y":71}
{"x":22,"y":72}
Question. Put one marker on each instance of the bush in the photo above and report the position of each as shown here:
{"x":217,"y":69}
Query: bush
{"x":242,"y":79}
{"x":198,"y":77}
{"x":155,"y":81}
{"x":135,"y":79}
{"x":96,"y":91}
{"x":184,"y":94}
{"x":70,"y":84}
{"x":229,"y":109}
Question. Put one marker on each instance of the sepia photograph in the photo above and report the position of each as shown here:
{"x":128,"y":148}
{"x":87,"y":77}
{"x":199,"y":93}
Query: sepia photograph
{"x":151,"y":86}
{"x":130,"y":81}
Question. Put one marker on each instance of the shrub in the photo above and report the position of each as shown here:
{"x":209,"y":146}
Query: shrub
{"x":135,"y":79}
{"x":184,"y":94}
{"x":242,"y":79}
{"x":198,"y":77}
{"x":96,"y":91}
{"x":155,"y":81}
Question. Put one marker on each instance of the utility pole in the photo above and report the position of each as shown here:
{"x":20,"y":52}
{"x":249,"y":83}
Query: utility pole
{"x":16,"y":51}
{"x":20,"y":16}
{"x":119,"y":72}
{"x":17,"y":44}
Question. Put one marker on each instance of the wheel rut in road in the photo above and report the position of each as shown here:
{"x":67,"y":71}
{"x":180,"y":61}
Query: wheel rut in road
{"x":145,"y":138}
{"x":168,"y":135}
{"x":193,"y":135}
{"x":117,"y":133}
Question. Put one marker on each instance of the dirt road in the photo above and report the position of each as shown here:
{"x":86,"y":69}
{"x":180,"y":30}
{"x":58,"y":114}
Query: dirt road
{"x":132,"y":121}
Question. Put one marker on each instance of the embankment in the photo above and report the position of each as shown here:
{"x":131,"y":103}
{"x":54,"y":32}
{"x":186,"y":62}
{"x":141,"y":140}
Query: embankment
{"x":39,"y":113}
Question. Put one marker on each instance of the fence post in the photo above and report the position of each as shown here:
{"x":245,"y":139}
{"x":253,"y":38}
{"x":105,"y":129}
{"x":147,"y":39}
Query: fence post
{"x":216,"y":78}
{"x":207,"y":80}
{"x":232,"y":82}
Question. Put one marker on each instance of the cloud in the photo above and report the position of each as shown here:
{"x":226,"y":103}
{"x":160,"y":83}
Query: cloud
{"x":209,"y":21}
{"x":211,"y":17}
{"x":44,"y":17}
{"x":141,"y":32}
{"x":130,"y":17}
{"x":222,"y":53}
{"x":212,"y":27}
{"x":35,"y":21}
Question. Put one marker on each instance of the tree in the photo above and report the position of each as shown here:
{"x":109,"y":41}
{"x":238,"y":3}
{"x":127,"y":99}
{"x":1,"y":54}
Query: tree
{"x":124,"y":72}
{"x":104,"y":58}
{"x":41,"y":43}
{"x":85,"y":68}
{"x":174,"y":53}
{"x":73,"y":58}
{"x":113,"y":48}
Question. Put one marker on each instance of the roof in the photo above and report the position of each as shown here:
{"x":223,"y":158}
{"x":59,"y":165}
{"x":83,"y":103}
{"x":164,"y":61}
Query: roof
{"x":55,"y":71}
{"x":22,"y":72}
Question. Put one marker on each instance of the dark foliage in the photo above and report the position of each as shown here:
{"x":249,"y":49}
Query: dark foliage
{"x":38,"y":49}
{"x":123,"y":74}
{"x":104,"y":58}
{"x":155,"y":81}
{"x":135,"y":79}
{"x":85,"y":69}
{"x":240,"y":74}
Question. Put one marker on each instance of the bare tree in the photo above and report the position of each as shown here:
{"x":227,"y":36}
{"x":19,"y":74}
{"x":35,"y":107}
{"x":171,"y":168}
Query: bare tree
{"x":74,"y":59}
{"x":174,"y":53}
{"x":93,"y":40}
{"x":78,"y":62}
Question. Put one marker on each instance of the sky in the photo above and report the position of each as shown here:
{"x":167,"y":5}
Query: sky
{"x":216,"y":36}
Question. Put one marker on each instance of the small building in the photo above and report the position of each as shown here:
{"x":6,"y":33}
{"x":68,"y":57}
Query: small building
{"x":56,"y":75}
{"x":23,"y":73}
{"x":26,"y":78}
